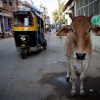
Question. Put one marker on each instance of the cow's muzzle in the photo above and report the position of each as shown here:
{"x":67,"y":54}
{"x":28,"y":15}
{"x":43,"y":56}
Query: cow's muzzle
{"x":80,"y":56}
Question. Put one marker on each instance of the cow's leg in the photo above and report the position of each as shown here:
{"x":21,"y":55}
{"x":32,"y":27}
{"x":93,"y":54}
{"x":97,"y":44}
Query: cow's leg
{"x":68,"y":75}
{"x":73,"y":91}
{"x":81,"y":87}
{"x":82,"y":76}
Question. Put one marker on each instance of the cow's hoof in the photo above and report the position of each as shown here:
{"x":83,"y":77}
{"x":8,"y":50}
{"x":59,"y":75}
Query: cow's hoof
{"x":73,"y":93}
{"x":82,"y":93}
{"x":67,"y":79}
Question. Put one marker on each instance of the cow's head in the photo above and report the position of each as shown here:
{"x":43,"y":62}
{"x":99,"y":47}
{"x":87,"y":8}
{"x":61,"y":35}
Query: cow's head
{"x":80,"y":31}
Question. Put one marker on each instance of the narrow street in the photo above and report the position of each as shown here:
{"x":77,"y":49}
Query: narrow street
{"x":41,"y":76}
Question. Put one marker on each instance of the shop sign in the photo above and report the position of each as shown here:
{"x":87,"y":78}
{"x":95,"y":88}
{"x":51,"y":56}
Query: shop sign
{"x":96,"y":20}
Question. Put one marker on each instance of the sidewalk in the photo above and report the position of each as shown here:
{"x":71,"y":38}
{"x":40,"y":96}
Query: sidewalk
{"x":94,"y":68}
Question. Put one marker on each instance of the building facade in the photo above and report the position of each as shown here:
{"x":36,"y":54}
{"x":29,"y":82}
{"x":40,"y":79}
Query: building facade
{"x":45,"y":16}
{"x":86,"y":8}
{"x":6,"y":15}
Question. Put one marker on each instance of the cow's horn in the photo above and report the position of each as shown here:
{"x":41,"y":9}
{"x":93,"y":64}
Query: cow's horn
{"x":91,"y":16}
{"x":70,"y":15}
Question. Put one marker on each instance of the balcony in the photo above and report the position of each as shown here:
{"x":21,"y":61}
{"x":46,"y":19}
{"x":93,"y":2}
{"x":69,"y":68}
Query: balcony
{"x":6,"y":6}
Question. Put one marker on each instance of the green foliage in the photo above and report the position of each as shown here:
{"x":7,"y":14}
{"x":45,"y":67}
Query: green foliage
{"x":55,"y":16}
{"x":58,"y":16}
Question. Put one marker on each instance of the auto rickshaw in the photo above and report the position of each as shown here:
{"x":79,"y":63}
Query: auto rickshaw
{"x":28,"y":31}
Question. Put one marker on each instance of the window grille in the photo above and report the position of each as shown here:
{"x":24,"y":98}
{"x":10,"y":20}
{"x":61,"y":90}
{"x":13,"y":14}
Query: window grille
{"x":91,"y":1}
{"x":81,"y":11}
{"x":86,"y":11}
{"x":96,"y":7}
{"x":88,"y":7}
{"x":85,"y":2}
{"x":81,"y":3}
{"x":78,"y":12}
{"x":77,"y":3}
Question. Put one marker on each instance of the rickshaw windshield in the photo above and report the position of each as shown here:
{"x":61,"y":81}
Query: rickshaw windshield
{"x":23,"y":19}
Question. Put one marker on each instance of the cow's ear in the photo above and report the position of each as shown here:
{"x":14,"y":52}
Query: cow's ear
{"x":96,"y":30}
{"x":64,"y":31}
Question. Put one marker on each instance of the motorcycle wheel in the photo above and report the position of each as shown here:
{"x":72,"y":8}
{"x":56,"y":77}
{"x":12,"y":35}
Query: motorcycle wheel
{"x":24,"y":53}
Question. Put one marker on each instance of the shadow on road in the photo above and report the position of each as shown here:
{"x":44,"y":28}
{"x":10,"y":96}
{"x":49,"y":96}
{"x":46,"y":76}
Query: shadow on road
{"x":35,"y":53}
{"x":63,"y":88}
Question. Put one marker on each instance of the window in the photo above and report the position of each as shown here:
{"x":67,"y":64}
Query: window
{"x":23,"y":20}
{"x":91,"y":1}
{"x":85,"y":2}
{"x":10,"y":3}
{"x":78,"y":12}
{"x":82,"y":11}
{"x":96,"y":7}
{"x":77,"y":3}
{"x":81,"y":3}
{"x":86,"y":11}
{"x":90,"y":9}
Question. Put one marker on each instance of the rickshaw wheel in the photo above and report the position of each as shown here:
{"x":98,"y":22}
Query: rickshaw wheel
{"x":24,"y":53}
{"x":44,"y":45}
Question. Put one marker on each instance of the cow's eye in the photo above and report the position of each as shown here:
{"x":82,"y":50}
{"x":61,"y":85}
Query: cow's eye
{"x":89,"y":29}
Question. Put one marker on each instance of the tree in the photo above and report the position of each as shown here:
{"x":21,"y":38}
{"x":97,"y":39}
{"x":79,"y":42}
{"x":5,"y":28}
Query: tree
{"x":55,"y":16}
{"x":58,"y":16}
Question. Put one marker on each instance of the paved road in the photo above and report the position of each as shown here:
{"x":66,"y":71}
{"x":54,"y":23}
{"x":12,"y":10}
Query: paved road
{"x":42,"y":75}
